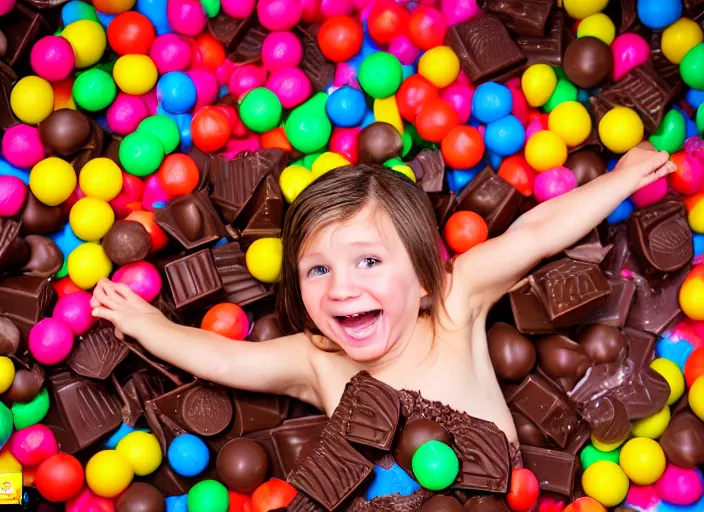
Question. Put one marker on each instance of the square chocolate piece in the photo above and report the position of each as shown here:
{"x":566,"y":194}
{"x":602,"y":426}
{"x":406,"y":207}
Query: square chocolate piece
{"x":554,"y":469}
{"x":528,"y":314}
{"x":548,"y":48}
{"x":429,"y":169}
{"x":522,"y":17}
{"x":239,"y":287}
{"x":25,"y":300}
{"x":191,"y":220}
{"x":296,"y":438}
{"x":193,"y":279}
{"x":98,"y":353}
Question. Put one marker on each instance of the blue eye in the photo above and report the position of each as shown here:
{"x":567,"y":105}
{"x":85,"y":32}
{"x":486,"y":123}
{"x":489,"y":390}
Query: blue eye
{"x":369,"y":263}
{"x":318,"y":270}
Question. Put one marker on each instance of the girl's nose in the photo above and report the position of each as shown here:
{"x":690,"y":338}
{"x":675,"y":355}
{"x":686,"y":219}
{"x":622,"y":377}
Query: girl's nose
{"x":342,"y":287}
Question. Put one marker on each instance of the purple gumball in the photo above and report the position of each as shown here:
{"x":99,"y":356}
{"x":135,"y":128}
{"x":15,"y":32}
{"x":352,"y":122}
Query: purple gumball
{"x":142,"y":277}
{"x":553,"y":182}
{"x":74,"y":310}
{"x":50,"y":341}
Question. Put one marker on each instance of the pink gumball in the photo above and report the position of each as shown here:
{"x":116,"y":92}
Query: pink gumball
{"x":206,"y":87}
{"x":520,"y":110}
{"x":22,"y":146}
{"x":74,"y":310}
{"x":460,"y":97}
{"x":125,"y":113}
{"x":171,"y":52}
{"x":533,"y":127}
{"x":552,"y":183}
{"x":50,"y":341}
{"x":680,"y":486}
{"x":689,"y":176}
{"x":290,"y":85}
{"x":142,"y":277}
{"x":343,"y":141}
{"x":234,"y":147}
{"x":238,"y":9}
{"x":630,"y":51}
{"x":6,"y":6}
{"x":52,"y":58}
{"x":150,"y":101}
{"x":245,"y":78}
{"x":224,"y":72}
{"x":650,"y":194}
{"x":281,"y":50}
{"x":86,"y":501}
{"x":13,"y":192}
{"x":33,"y":445}
{"x":154,"y":194}
{"x":345,"y":75}
{"x":330,"y":8}
{"x":186,"y":17}
{"x":403,"y":49}
{"x":279,"y":14}
{"x":459,"y":11}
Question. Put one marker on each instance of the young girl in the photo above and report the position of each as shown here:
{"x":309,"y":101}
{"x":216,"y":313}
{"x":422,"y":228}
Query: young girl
{"x":364,"y":286}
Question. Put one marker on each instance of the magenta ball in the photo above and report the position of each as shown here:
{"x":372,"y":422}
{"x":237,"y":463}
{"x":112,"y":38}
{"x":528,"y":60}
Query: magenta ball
{"x":86,"y":501}
{"x":290,"y":85}
{"x":459,"y":11}
{"x":52,"y":58}
{"x":22,"y":146}
{"x":238,"y":9}
{"x":403,"y":49}
{"x":125,"y":113}
{"x":679,"y":486}
{"x":553,"y":182}
{"x":330,"y":8}
{"x":234,"y":147}
{"x":6,"y":6}
{"x":142,"y":277}
{"x":206,"y":87}
{"x":13,"y":192}
{"x":520,"y":106}
{"x":650,"y":194}
{"x":460,"y":97}
{"x":186,"y":17}
{"x":171,"y":52}
{"x":74,"y":310}
{"x":281,"y":50}
{"x":279,"y":14}
{"x":343,"y":141}
{"x":154,"y":193}
{"x":50,"y":341}
{"x":533,"y":127}
{"x":33,"y":445}
{"x":245,"y":78}
{"x":224,"y":72}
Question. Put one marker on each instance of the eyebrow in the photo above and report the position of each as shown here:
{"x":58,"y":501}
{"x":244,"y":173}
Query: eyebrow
{"x":359,"y":243}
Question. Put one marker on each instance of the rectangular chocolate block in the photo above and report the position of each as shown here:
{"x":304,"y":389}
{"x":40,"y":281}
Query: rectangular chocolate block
{"x":615,"y":312}
{"x":528,"y":314}
{"x":238,"y":285}
{"x":97,"y":354}
{"x":522,"y":17}
{"x":554,"y":469}
{"x":193,"y":279}
{"x":25,"y":300}
{"x":191,"y":220}
{"x":548,"y":48}
{"x":295,"y":438}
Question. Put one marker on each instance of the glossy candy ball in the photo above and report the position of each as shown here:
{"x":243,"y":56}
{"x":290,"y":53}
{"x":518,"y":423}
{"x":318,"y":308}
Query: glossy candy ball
{"x":88,"y":264}
{"x":571,"y":121}
{"x":88,"y":40}
{"x":208,"y":496}
{"x":340,"y":38}
{"x":32,"y":99}
{"x":538,"y":84}
{"x":387,"y":20}
{"x":178,"y":175}
{"x":673,"y":375}
{"x":462,"y":147}
{"x":264,"y":258}
{"x":101,"y":178}
{"x":125,"y":113}
{"x":545,"y":150}
{"x":553,"y":183}
{"x":135,"y":74}
{"x":52,"y":58}
{"x":435,"y":119}
{"x":689,"y":175}
{"x":228,"y":320}
{"x":260,"y":110}
{"x":188,"y":455}
{"x":597,"y":25}
{"x":460,"y":97}
{"x":293,"y":180}
{"x":692,"y":67}
{"x":281,"y":50}
{"x":580,"y":9}
{"x":413,"y":93}
{"x":171,"y":52}
{"x":435,"y":465}
{"x":517,"y":172}
{"x":163,"y":128}
{"x":505,"y":136}
{"x":59,"y":478}
{"x":13,"y":193}
{"x":464,"y":230}
{"x":142,"y":277}
{"x":176,"y":92}
{"x":186,"y":17}
{"x":524,"y":491}
{"x":491,"y":101}
{"x":696,"y":397}
{"x":658,"y":14}
{"x":94,"y":90}
{"x":141,"y":153}
{"x":22,"y":146}
{"x":131,"y":32}
{"x":74,"y":311}
{"x":279,"y":14}
{"x":426,"y":27}
{"x":50,"y":341}
{"x":142,"y":451}
{"x":440,"y":65}
{"x":679,"y":486}
{"x":33,"y":445}
{"x":210,"y":129}
{"x":605,"y":482}
{"x":290,"y":85}
{"x":621,"y":129}
{"x":91,"y":218}
{"x":7,"y":373}
{"x":679,"y":38}
{"x":642,"y":460}
{"x":694,"y":366}
{"x":380,"y":75}
{"x":108,"y":473}
{"x":346,"y":106}
{"x":52,"y":181}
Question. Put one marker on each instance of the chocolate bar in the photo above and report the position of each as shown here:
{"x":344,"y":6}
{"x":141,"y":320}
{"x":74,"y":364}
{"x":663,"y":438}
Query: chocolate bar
{"x":524,"y":18}
{"x":545,"y":49}
{"x":484,"y":47}
{"x":589,"y":249}
{"x":97,"y":354}
{"x":629,"y":15}
{"x":429,"y":169}
{"x":14,"y":252}
{"x":264,"y":213}
{"x":694,"y":9}
{"x":554,"y":469}
{"x":317,"y":68}
{"x":193,"y":279}
{"x":295,"y":438}
{"x":392,"y":503}
{"x":191,"y":220}
{"x":528,"y":314}
{"x":656,"y":306}
{"x":25,"y":300}
{"x":615,"y":312}
{"x":239,"y":287}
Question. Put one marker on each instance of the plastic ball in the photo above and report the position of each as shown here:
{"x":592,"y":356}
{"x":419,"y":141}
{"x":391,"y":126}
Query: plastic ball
{"x":605,"y":482}
{"x":7,"y":373}
{"x":186,"y":17}
{"x":491,"y":101}
{"x":32,"y":99}
{"x":142,"y":277}
{"x":88,"y":40}
{"x":188,"y":455}
{"x":279,"y":14}
{"x":672,"y":374}
{"x":74,"y":311}
{"x":141,"y":153}
{"x":88,"y":264}
{"x":462,"y":147}
{"x":282,"y":50}
{"x":91,"y":218}
{"x":516,"y":171}
{"x":208,"y":496}
{"x":580,"y":9}
{"x":327,"y":162}
{"x":59,"y":478}
{"x":505,"y":136}
{"x":658,"y":14}
{"x":696,"y":398}
{"x":135,"y":74}
{"x":553,"y":183}
{"x":538,"y":83}
{"x":629,"y":51}
{"x":679,"y":486}
{"x":679,"y":38}
{"x":524,"y":491}
{"x":694,"y":366}
{"x":545,"y":150}
{"x":142,"y":451}
{"x":426,"y":27}
{"x":621,"y":129}
{"x":171,"y":52}
{"x":228,"y":320}
{"x":435,"y":119}
{"x":50,"y":341}
{"x":13,"y":193}
{"x":340,"y":38}
{"x":52,"y":58}
{"x":692,"y":67}
{"x":101,"y":178}
{"x":264,"y":258}
{"x":108,"y":473}
{"x":597,"y":25}
{"x":176,"y":92}
{"x":380,"y":75}
{"x":571,"y":121}
{"x":464,"y":230}
{"x":346,"y":106}
{"x":33,"y":445}
{"x":413,"y":93}
{"x":642,"y":460}
{"x":94,"y":90}
{"x":130,"y":32}
{"x":435,"y":465}
{"x":440,"y":65}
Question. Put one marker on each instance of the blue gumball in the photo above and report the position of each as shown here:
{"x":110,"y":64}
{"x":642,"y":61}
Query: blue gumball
{"x":505,"y":136}
{"x":491,"y":101}
{"x":621,"y":213}
{"x":177,"y":503}
{"x":694,"y":97}
{"x":188,"y":455}
{"x":176,"y":92}
{"x":391,"y":481}
{"x":346,"y":107}
{"x":104,"y":18}
{"x":155,"y":10}
{"x":658,"y":14}
{"x":675,"y":350}
{"x":76,"y":10}
{"x":7,"y":169}
{"x":698,"y":244}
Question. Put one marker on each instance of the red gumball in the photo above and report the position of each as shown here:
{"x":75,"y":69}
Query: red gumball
{"x":59,"y":478}
{"x":414,"y":92}
{"x":435,"y":120}
{"x":227,"y":320}
{"x":130,"y":198}
{"x":387,"y":20}
{"x":462,"y":147}
{"x":694,"y":367}
{"x":516,"y":170}
{"x":689,"y":175}
{"x":273,"y":494}
{"x":340,"y":38}
{"x":550,"y":504}
{"x":239,"y":502}
{"x":178,"y":175}
{"x":157,"y":234}
{"x":131,"y":32}
{"x":464,"y":230}
{"x":210,"y":129}
{"x":276,"y":139}
{"x":65,"y":286}
{"x":208,"y":52}
{"x":427,"y":28}
{"x":524,"y":491}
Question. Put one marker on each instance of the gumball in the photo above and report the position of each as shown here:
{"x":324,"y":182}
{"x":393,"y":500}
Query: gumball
{"x":553,"y":183}
{"x":426,"y":28}
{"x":621,"y":129}
{"x":157,"y":235}
{"x":380,"y":75}
{"x":464,"y":230}
{"x":672,"y":374}
{"x":505,"y":136}
{"x":135,"y":74}
{"x":6,"y":421}
{"x":689,"y":175}
{"x":142,"y":277}
{"x":524,"y":491}
{"x":142,"y":451}
{"x":7,"y":373}
{"x":291,"y":87}
{"x":583,"y":504}
{"x":435,"y":119}
{"x":283,"y":50}
{"x":176,"y":92}
{"x":101,"y":178}
{"x":245,"y":78}
{"x":74,"y":311}
{"x":658,"y":14}
{"x":651,"y":193}
{"x":642,"y":460}
{"x":516,"y":170}
{"x":125,"y":113}
{"x":52,"y":58}
{"x":91,"y":218}
{"x":208,"y":496}
{"x":340,"y":38}
{"x":346,"y":106}
{"x":130,"y":32}
{"x":413,"y":93}
{"x":108,"y":473}
{"x":308,"y":127}
{"x":33,"y":445}
{"x":59,"y":478}
{"x":404,"y":50}
{"x":679,"y":38}
{"x":32,"y":99}
{"x":691,"y":296}
{"x":163,"y":128}
{"x":327,"y":162}
{"x":263,"y":259}
{"x":538,"y":84}
{"x":691,"y":67}
{"x":387,"y":20}
{"x":188,"y":455}
{"x":293,"y":180}
{"x":260,"y":110}
{"x":580,"y":9}
{"x":460,"y":97}
{"x":279,"y":14}
{"x":491,"y":101}
{"x":435,"y":465}
{"x":13,"y":193}
{"x":186,"y":17}
{"x":679,"y":486}
{"x":440,"y":65}
{"x":571,"y":121}
{"x":597,"y":25}
{"x":94,"y":90}
{"x":88,"y":41}
{"x":50,"y":341}
{"x":228,"y":320}
{"x":545,"y":150}
{"x":605,"y":482}
{"x":462,"y":147}
{"x":629,"y":51}
{"x":208,"y":52}
{"x":696,"y":398}
{"x":22,"y":146}
{"x":88,"y":264}
{"x":178,"y":175}
{"x":171,"y":52}
{"x":141,"y":153}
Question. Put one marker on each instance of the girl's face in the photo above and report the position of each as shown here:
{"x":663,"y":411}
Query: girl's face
{"x":358,"y":284}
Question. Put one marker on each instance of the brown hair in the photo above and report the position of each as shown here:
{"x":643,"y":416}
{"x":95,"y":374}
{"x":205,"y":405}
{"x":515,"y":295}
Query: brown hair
{"x":337,"y":196}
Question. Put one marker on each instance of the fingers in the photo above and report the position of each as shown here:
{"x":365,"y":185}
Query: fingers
{"x":124,"y":291}
{"x":105,"y":314}
{"x":103,"y":298}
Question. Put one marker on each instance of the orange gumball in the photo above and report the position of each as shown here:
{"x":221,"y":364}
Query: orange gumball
{"x":157,"y":234}
{"x":65,"y":286}
{"x":518,"y":172}
{"x":413,"y":93}
{"x":227,"y":320}
{"x":464,"y":230}
{"x":435,"y":119}
{"x":585,"y":504}
{"x":210,"y":129}
{"x":273,"y":494}
{"x":208,"y":52}
{"x":239,"y":502}
{"x":113,"y":6}
{"x":178,"y":175}
{"x":274,"y":139}
{"x":131,"y":32}
{"x":694,"y":367}
{"x":462,"y":147}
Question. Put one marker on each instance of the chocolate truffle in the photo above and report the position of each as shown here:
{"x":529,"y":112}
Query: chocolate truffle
{"x":266,"y":328}
{"x":65,"y":131}
{"x":141,"y":497}
{"x":561,"y":358}
{"x":528,"y":432}
{"x":588,"y":62}
{"x":378,"y":142}
{"x":9,"y":337}
{"x":586,"y":165}
{"x":512,"y":354}
{"x":608,"y":419}
{"x":602,"y":343}
{"x":485,"y":504}
{"x":45,"y":257}
{"x":189,"y":219}
{"x":40,"y":219}
{"x":416,"y":433}
{"x":441,"y":504}
{"x":127,"y":242}
{"x":683,"y":440}
{"x":242,"y":465}
{"x":26,"y":385}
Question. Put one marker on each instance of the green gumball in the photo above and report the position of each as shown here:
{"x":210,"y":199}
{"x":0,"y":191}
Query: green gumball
{"x":30,"y":413}
{"x":700,"y":119}
{"x":564,"y":91}
{"x":5,"y":424}
{"x":260,"y":110}
{"x":435,"y":465}
{"x":692,"y":67}
{"x":591,"y":454}
{"x":94,"y":90}
{"x":308,"y":128}
{"x":163,"y":128}
{"x":141,"y":153}
{"x":671,"y":133}
{"x":380,"y":75}
{"x":208,"y":496}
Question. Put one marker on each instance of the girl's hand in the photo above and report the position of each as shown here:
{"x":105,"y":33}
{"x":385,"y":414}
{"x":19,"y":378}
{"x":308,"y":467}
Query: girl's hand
{"x":644,"y":164}
{"x":128,"y":312}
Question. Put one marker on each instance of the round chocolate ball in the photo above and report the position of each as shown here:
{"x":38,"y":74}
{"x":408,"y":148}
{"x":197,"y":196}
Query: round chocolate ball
{"x":266,"y":328}
{"x":127,"y":242}
{"x":560,"y":357}
{"x":512,"y":354}
{"x":528,"y":433}
{"x":683,"y":440}
{"x":588,"y":62}
{"x":242,"y":465}
{"x":45,"y":257}
{"x":9,"y":337}
{"x":40,"y":219}
{"x":378,"y":142}
{"x":441,"y":504}
{"x":26,"y":385}
{"x":602,"y":343}
{"x":485,"y":504}
{"x":608,"y":419}
{"x":586,"y":165}
{"x":141,"y":497}
{"x":65,"y":131}
{"x":416,"y":433}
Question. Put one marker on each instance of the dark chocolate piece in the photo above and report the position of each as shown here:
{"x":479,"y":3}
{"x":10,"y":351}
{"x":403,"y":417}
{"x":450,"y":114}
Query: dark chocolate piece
{"x":97,"y":354}
{"x":22,"y":27}
{"x":429,"y":169}
{"x":295,"y":439}
{"x":586,"y":165}
{"x":40,"y":219}
{"x":242,"y":465}
{"x":249,"y":50}
{"x":589,"y":249}
{"x":528,"y":312}
{"x":694,"y":9}
{"x":441,"y":503}
{"x":615,"y":312}
{"x":13,"y":250}
{"x":661,"y":65}
{"x":416,"y":433}
{"x":229,"y":31}
{"x":191,"y":220}
{"x":656,"y":306}
{"x":25,"y":300}
{"x":562,"y":360}
{"x":608,"y":419}
{"x":378,"y":142}
{"x":620,"y":258}
{"x":171,"y":483}
{"x":3,"y":44}
{"x":27,"y":384}
{"x":172,"y":374}
{"x":263,"y":216}
{"x":45,"y":258}
{"x":485,"y":504}
{"x":9,"y":337}
{"x":7,"y":80}
{"x":126,"y":242}
{"x":528,"y":432}
{"x":140,"y":387}
{"x":258,"y":411}
{"x":319,"y":70}
{"x":512,"y":355}
{"x":391,"y":503}
{"x":193,"y":279}
{"x":92,"y":148}
{"x":629,"y":15}
{"x":265,"y":328}
{"x":239,"y":287}
{"x":602,"y":343}
{"x":555,"y":470}
{"x":443,"y":206}
{"x":683,"y":440}
{"x":548,"y":48}
{"x":524,"y":18}
{"x":588,"y":61}
{"x":141,"y":497}
{"x":65,"y":131}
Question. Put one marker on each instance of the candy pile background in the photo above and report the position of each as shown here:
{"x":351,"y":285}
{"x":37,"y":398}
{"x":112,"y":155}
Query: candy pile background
{"x":158,"y":143}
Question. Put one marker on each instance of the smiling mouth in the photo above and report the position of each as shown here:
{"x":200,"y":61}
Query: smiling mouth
{"x":359,"y":326}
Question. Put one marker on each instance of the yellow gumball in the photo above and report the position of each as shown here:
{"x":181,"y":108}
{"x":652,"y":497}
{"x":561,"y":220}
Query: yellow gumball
{"x":538,"y":83}
{"x":9,"y":464}
{"x":327,"y":162}
{"x":406,"y":171}
{"x":7,"y":373}
{"x":696,"y":397}
{"x":580,"y":9}
{"x":293,"y":180}
{"x":679,"y":38}
{"x":642,"y":460}
{"x":440,"y":66}
{"x":108,"y":473}
{"x":672,"y":374}
{"x":32,"y":99}
{"x":692,"y":298}
{"x":545,"y":150}
{"x":135,"y":74}
{"x":597,"y":25}
{"x":88,"y":40}
{"x":605,"y":447}
{"x":52,"y":181}
{"x":571,"y":121}
{"x":101,"y":178}
{"x":88,"y":264}
{"x":264,"y":259}
{"x":606,"y":482}
{"x":696,"y":217}
{"x":142,"y":451}
{"x":653,"y":426}
{"x":621,"y":129}
{"x":90,"y":218}
{"x":386,"y":111}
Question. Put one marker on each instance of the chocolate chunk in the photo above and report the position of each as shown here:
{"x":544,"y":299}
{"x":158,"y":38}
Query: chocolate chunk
{"x":512,"y":354}
{"x":27,"y":384}
{"x":443,"y":206}
{"x":608,"y":419}
{"x":258,"y":411}
{"x":548,"y":48}
{"x":484,"y":47}
{"x":562,"y":360}
{"x":45,"y":258}
{"x":22,"y":27}
{"x":492,"y":197}
{"x":589,"y":249}
{"x":65,"y":131}
{"x":586,"y":165}
{"x":629,"y":15}
{"x":392,"y":503}
{"x":265,"y":328}
{"x":242,"y":465}
{"x":588,"y":61}
{"x":239,"y":287}
{"x":92,"y":148}
{"x":615,"y":312}
{"x":661,"y":65}
{"x":230,"y":31}
{"x":694,"y":9}
{"x":528,"y":312}
{"x":263,"y":216}
{"x":127,"y":242}
{"x":528,"y":432}
{"x":171,"y":483}
{"x":319,"y":70}
{"x":193,"y":279}
{"x":13,"y":250}
{"x":555,"y":470}
{"x":378,"y":143}
{"x":191,"y":220}
{"x":9,"y":337}
{"x":141,"y":497}
{"x":40,"y":219}
{"x":249,"y":50}
{"x":172,"y":374}
{"x":660,"y":236}
{"x":416,"y":433}
{"x":3,"y":44}
{"x":656,"y":306}
{"x":97,"y":354}
{"x":441,"y":504}
{"x":82,"y":412}
{"x":7,"y":80}
{"x":139,"y":387}
{"x":295,"y":439}
{"x":620,"y":258}
{"x":429,"y":169}
{"x":485,"y":504}
{"x":25,"y":300}
{"x":521,"y":17}
{"x":602,"y":343}
{"x":683,"y":441}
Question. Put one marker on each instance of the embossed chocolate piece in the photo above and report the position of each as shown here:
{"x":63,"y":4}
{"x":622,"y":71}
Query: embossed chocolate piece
{"x":512,"y":354}
{"x":193,"y":279}
{"x":97,"y":354}
{"x":296,"y":438}
{"x":589,"y":249}
{"x":615,"y":311}
{"x":429,"y":169}
{"x":528,"y":312}
{"x":548,"y":48}
{"x":656,"y":306}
